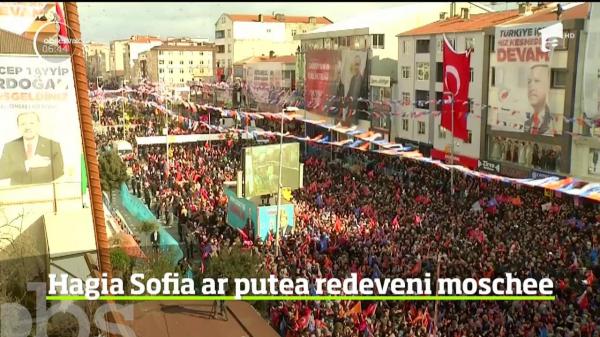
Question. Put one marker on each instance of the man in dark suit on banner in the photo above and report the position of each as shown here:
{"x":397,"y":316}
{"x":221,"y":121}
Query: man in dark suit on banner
{"x":31,"y":159}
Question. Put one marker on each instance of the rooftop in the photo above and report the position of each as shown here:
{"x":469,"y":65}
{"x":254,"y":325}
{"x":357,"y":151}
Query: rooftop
{"x":475,"y":22}
{"x":381,"y":20}
{"x":143,"y":39}
{"x":166,"y":47}
{"x":478,"y":22}
{"x":272,"y":18}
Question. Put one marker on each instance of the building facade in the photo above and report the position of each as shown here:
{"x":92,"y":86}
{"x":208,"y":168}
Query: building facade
{"x":375,"y":34}
{"x":240,"y":36}
{"x":97,"y":57}
{"x":420,"y":66}
{"x":586,"y":127}
{"x":137,"y":44}
{"x":118,"y":49}
{"x":178,"y":63}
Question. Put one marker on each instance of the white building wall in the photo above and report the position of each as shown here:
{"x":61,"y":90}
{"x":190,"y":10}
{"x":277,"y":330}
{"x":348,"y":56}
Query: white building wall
{"x":175,"y":69}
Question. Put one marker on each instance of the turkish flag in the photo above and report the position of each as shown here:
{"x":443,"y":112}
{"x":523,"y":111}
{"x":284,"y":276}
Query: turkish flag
{"x":456,"y":75}
{"x":63,"y":38}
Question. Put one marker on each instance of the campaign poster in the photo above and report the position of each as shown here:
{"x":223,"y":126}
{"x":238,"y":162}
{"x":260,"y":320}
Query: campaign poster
{"x":591,"y":74}
{"x":323,"y":75}
{"x":40,"y":143}
{"x":521,"y":98}
{"x":353,"y":79}
{"x":264,"y":81}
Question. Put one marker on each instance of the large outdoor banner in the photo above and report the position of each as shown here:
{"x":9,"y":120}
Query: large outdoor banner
{"x":335,"y":80}
{"x":40,"y":142}
{"x":323,"y":70}
{"x":41,"y":139}
{"x":523,"y":100}
{"x":591,"y":73}
{"x":264,"y":81}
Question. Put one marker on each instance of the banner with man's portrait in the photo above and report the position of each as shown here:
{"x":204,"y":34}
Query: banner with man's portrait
{"x":335,"y":80}
{"x":40,"y":146}
{"x":591,"y":74}
{"x":264,"y":80}
{"x":521,"y":95}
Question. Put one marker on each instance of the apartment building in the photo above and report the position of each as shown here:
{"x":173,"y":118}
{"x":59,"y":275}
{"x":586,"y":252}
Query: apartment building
{"x":585,"y":146}
{"x":118,"y":49}
{"x":97,"y":56}
{"x":137,"y":44}
{"x":240,"y":36}
{"x":178,"y":63}
{"x":370,"y":35}
{"x":420,"y":60}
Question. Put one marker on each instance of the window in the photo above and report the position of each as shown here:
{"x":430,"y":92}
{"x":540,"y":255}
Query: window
{"x":493,"y":43}
{"x":201,"y":62}
{"x":421,"y":128}
{"x":404,"y":47}
{"x":469,"y":137}
{"x":378,"y":42}
{"x":161,"y":61}
{"x":469,"y":43}
{"x":181,"y":53}
{"x":181,"y":71}
{"x":423,"y":71}
{"x":181,"y":62}
{"x":229,"y":33}
{"x":472,"y":75}
{"x":405,"y":124}
{"x":223,"y":19}
{"x":293,"y":32}
{"x":441,"y":132}
{"x":181,"y":80}
{"x":191,"y":62}
{"x":422,"y":46}
{"x":201,"y":54}
{"x":439,"y":72}
{"x":160,"y":71}
{"x":559,"y":78}
{"x":406,"y":98}
{"x":470,"y":105}
{"x":220,"y":48}
{"x":405,"y":72}
{"x":268,"y":30}
{"x":422,"y":99}
{"x":160,"y":52}
{"x":170,"y":71}
{"x":493,"y":77}
{"x":171,"y":62}
{"x":452,"y":43}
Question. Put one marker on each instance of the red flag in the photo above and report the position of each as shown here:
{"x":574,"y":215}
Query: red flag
{"x":456,"y":75}
{"x":370,"y":310}
{"x":63,"y":39}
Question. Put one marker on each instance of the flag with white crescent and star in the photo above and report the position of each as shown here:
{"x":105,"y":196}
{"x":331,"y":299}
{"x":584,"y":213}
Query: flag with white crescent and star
{"x":456,"y":75}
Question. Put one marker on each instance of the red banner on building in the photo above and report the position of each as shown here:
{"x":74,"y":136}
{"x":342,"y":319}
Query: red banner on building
{"x":457,"y":75}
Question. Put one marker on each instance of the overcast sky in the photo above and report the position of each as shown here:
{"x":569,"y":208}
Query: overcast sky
{"x":103,"y":22}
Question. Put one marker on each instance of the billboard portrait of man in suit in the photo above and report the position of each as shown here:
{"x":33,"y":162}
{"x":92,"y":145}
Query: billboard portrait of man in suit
{"x":31,"y":159}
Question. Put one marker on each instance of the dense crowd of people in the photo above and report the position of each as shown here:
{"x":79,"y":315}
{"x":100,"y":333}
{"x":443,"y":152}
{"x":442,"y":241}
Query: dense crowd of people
{"x":386,"y":217}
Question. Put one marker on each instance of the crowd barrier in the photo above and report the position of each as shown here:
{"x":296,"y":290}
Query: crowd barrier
{"x":141,"y":212}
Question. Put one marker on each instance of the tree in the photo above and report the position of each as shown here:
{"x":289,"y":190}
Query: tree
{"x":113,"y":171}
{"x":236,"y":262}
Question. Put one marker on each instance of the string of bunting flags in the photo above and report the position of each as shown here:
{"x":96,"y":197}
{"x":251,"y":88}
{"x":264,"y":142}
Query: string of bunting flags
{"x":365,"y":141}
{"x":242,"y":116}
{"x":387,"y":108}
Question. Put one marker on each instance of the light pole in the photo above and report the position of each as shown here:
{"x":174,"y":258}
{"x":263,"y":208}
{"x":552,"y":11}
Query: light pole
{"x":278,"y":218}
{"x":451,"y":94}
